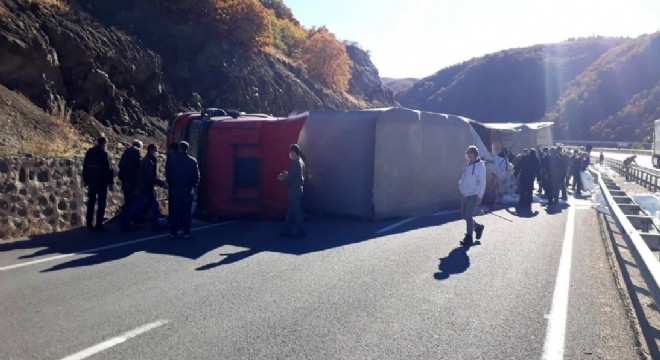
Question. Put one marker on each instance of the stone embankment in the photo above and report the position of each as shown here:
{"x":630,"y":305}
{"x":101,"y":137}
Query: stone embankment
{"x":45,"y":195}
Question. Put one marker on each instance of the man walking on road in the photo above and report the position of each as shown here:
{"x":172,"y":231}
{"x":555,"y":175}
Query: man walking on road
{"x":182,"y":175}
{"x":129,"y":165}
{"x":98,"y":177}
{"x":564,"y":175}
{"x":472,"y":187}
{"x":147,"y":181}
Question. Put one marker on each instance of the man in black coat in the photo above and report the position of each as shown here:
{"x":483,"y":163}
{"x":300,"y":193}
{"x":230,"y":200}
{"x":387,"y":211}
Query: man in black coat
{"x":576,"y":168}
{"x":555,"y":175}
{"x":565,"y":165}
{"x":146,"y":196}
{"x":98,"y":177}
{"x":529,"y":169}
{"x":129,"y":165}
{"x":182,"y":175}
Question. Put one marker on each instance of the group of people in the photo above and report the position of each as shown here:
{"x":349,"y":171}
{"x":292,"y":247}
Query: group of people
{"x":139,"y":179}
{"x":552,"y":168}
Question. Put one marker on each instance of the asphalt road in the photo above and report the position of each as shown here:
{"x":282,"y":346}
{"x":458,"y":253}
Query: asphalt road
{"x":349,"y":291}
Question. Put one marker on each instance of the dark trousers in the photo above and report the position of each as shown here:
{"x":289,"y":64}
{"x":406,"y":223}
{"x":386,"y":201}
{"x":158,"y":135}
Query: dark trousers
{"x":526,"y":194}
{"x":94,"y":194}
{"x":552,"y":191}
{"x":144,"y":200}
{"x":180,"y":208}
{"x":562,"y":188}
{"x":294,"y":216}
{"x":577,"y":182}
{"x":129,"y":192}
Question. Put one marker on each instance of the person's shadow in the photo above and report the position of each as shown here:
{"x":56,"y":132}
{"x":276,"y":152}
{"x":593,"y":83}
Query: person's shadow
{"x":522,"y":213}
{"x":456,"y":262}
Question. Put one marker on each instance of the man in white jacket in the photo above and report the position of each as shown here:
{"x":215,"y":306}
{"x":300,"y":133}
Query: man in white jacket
{"x":472,"y":187}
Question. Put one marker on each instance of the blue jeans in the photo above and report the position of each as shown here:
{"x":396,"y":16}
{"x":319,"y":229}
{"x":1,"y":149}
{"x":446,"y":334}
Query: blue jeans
{"x":144,"y":200}
{"x":468,"y":205}
{"x":180,"y":211}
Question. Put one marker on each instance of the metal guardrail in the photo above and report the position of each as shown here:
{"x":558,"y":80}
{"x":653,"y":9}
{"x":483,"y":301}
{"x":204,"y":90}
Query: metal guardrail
{"x":612,"y":150}
{"x":647,"y":263}
{"x":648,"y":178}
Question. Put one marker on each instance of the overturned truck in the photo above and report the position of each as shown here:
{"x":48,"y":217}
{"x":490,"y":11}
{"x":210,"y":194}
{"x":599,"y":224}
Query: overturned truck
{"x":371,"y":164}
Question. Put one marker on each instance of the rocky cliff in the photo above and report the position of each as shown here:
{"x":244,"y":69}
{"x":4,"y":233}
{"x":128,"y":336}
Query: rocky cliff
{"x":128,"y":66}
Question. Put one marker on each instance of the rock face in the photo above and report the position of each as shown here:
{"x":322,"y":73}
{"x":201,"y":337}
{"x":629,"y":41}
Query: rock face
{"x":45,"y":195}
{"x":49,"y":54}
{"x":125,"y":64}
{"x":365,"y":80}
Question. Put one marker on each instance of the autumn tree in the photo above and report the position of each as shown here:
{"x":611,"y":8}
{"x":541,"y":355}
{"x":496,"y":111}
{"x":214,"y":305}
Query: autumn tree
{"x":245,"y":22}
{"x":289,"y":37}
{"x":326,"y":59}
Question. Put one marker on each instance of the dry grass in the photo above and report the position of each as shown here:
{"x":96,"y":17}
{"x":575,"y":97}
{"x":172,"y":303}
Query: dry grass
{"x":66,"y":140}
{"x":95,"y":108}
{"x":60,"y":5}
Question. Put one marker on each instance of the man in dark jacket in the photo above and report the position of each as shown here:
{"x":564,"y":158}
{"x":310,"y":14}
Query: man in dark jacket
{"x":576,"y":168}
{"x":129,"y":165}
{"x":555,"y":176}
{"x":146,"y":197}
{"x":98,"y":177}
{"x":565,"y":165}
{"x":182,"y":175}
{"x":294,"y":178}
{"x":529,"y":169}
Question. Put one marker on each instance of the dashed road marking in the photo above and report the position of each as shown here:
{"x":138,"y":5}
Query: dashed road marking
{"x":83,"y":354}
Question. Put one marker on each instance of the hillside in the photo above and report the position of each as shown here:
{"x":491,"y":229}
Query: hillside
{"x":598,"y":88}
{"x":398,"y":85}
{"x":127,"y":65}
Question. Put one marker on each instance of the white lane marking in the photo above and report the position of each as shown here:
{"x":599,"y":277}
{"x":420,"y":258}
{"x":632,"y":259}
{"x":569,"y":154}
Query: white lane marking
{"x":446,"y":212}
{"x":114,"y":341}
{"x":57,"y":257}
{"x":395,"y":225}
{"x":555,"y":335}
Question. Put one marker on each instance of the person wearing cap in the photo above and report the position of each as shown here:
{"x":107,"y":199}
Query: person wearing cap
{"x":182,"y":175}
{"x":146,"y":183}
{"x":472,"y":187}
{"x":129,"y":164}
{"x":98,"y":176}
{"x":294,"y":178}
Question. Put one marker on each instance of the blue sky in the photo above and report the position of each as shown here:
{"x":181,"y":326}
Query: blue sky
{"x":416,"y":38}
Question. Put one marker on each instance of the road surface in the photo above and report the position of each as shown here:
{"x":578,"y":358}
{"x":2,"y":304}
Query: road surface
{"x":538,"y":287}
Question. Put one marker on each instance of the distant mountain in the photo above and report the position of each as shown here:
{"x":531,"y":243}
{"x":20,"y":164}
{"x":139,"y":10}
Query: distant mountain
{"x":398,"y":85}
{"x":596,"y":88}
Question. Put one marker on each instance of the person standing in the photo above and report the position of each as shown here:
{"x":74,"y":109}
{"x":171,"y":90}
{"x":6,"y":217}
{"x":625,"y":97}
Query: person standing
{"x":529,"y":169}
{"x":182,"y":175}
{"x":555,"y":176}
{"x":129,"y":165}
{"x":472,"y":187}
{"x":294,"y":178}
{"x":564,"y":173}
{"x":601,"y":158}
{"x":576,"y":168}
{"x":98,"y":176}
{"x":146,"y":196}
